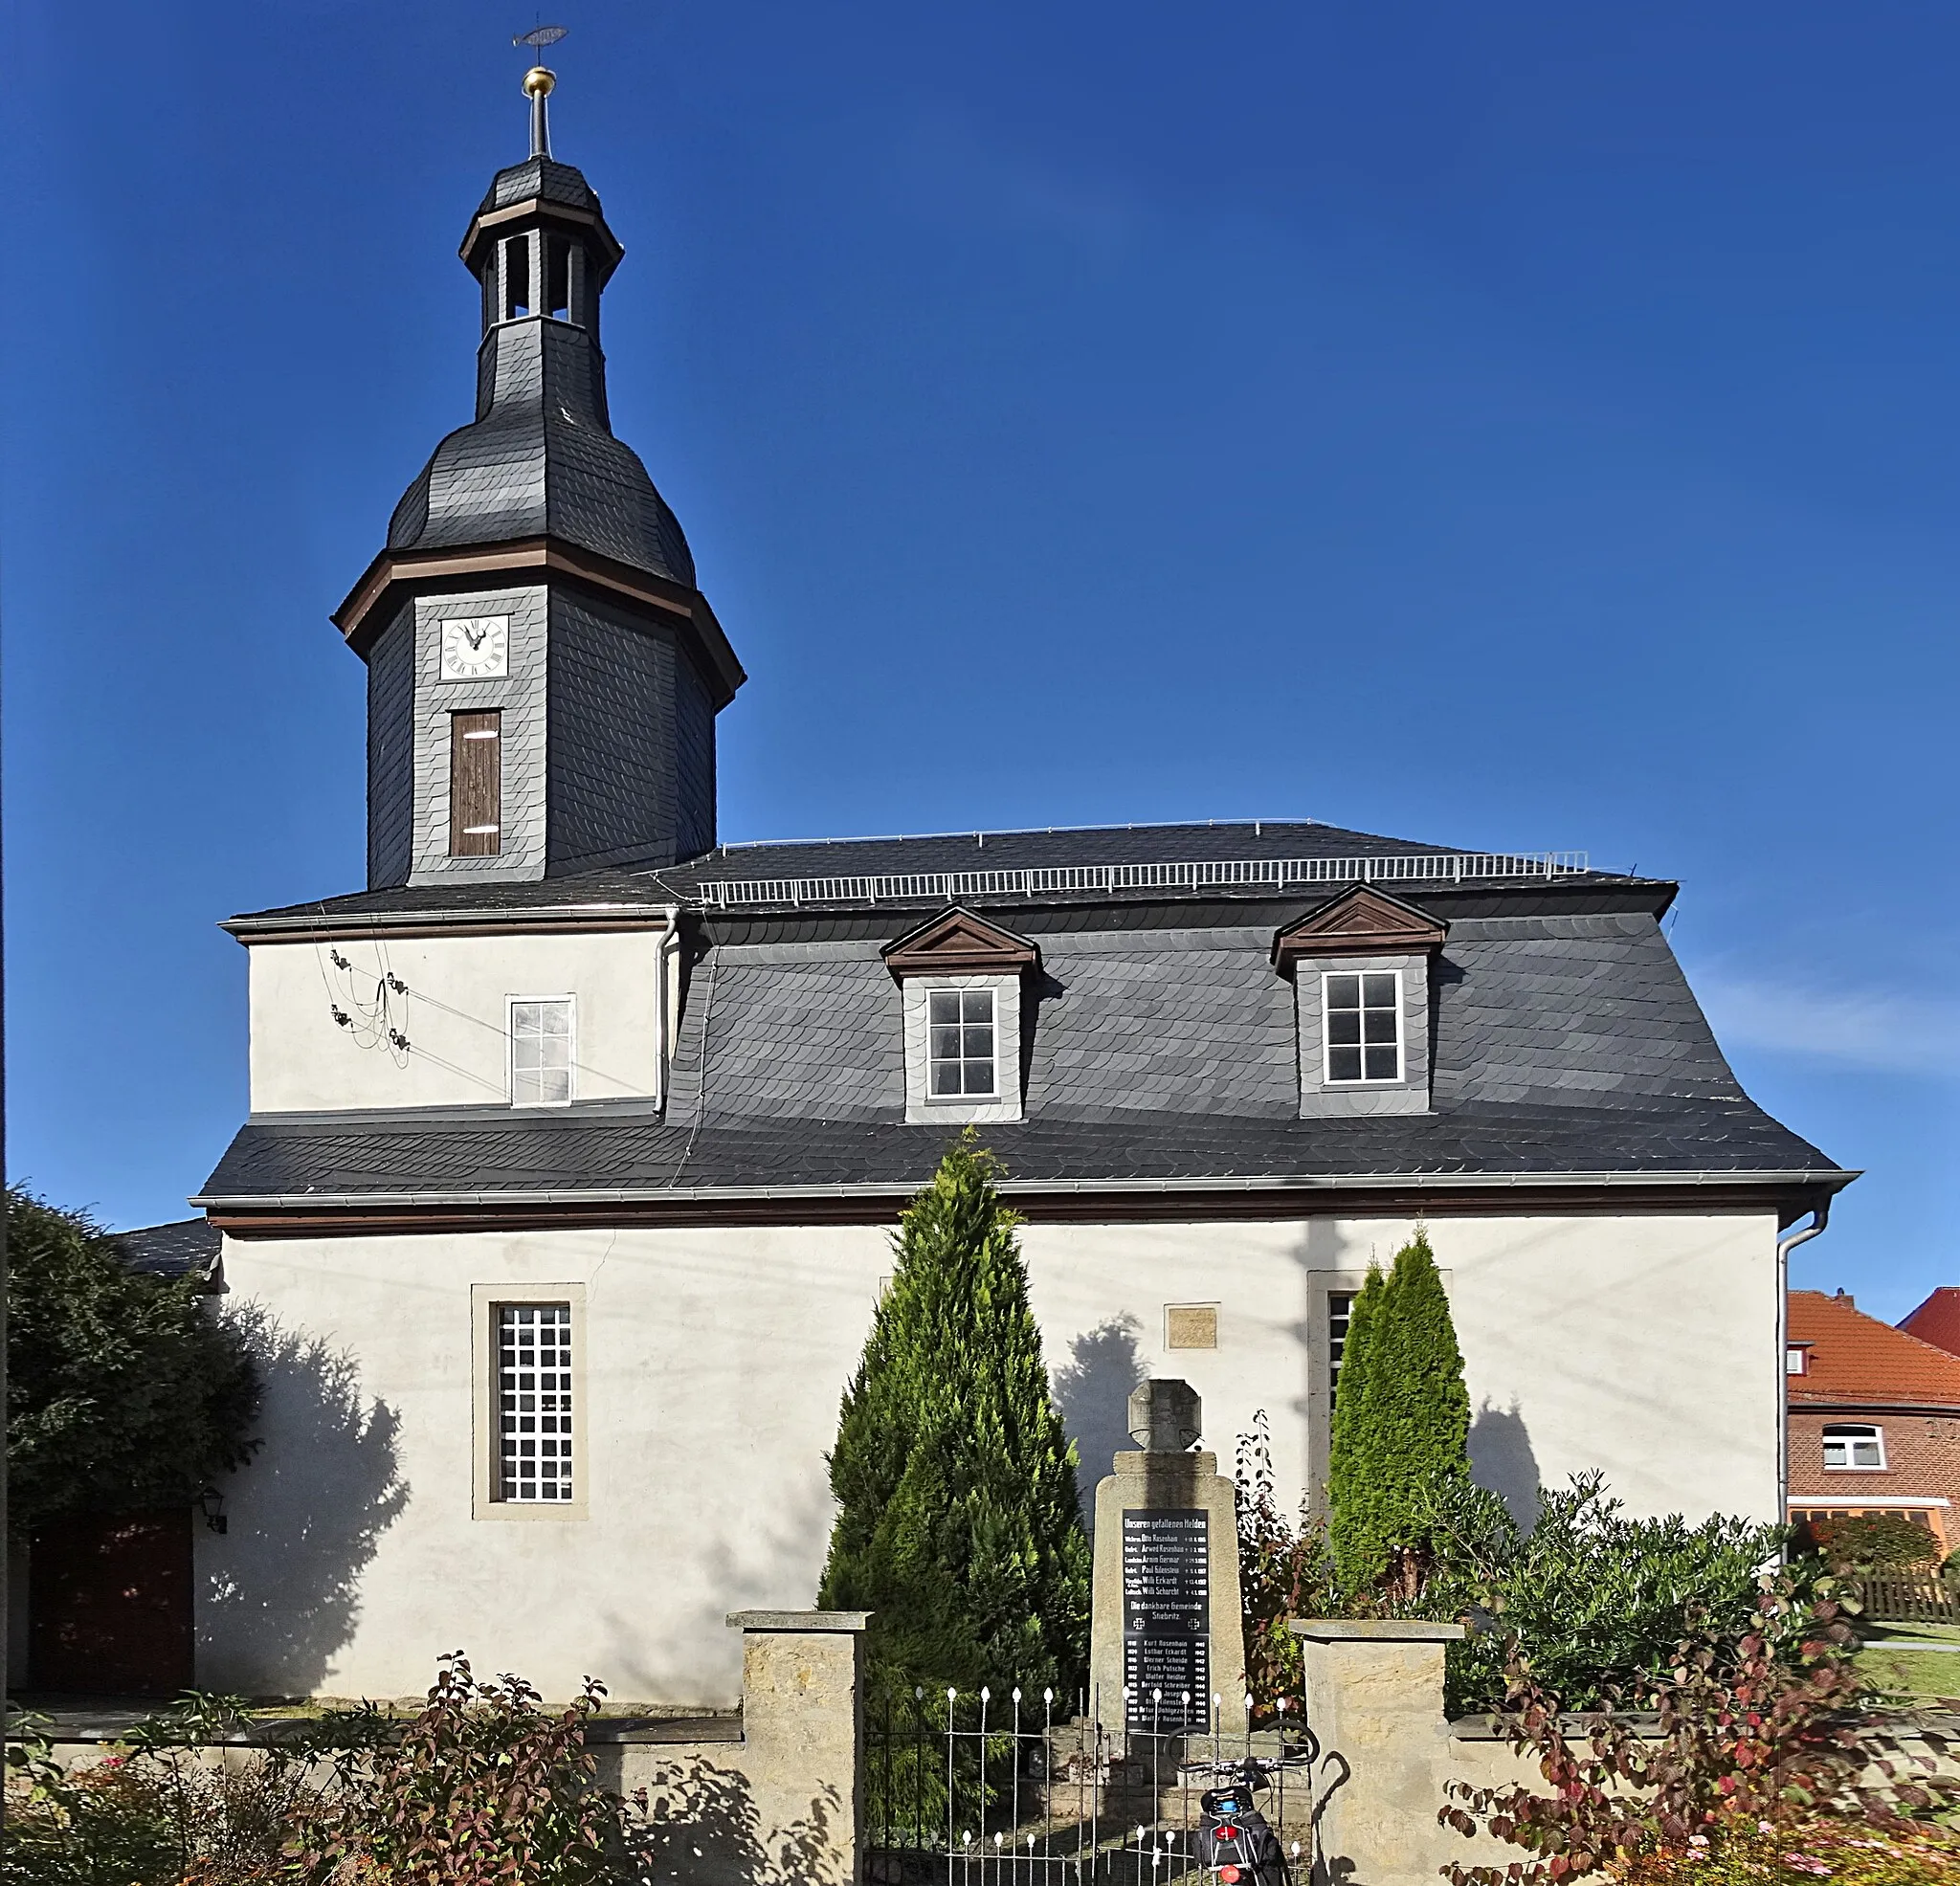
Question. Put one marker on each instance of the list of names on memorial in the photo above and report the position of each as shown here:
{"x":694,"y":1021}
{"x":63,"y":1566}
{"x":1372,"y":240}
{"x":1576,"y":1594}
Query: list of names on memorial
{"x":1166,"y":1617}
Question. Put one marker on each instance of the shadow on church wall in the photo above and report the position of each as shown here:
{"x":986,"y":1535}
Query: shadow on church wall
{"x":702,"y":1827}
{"x":1092,"y":1392}
{"x":1502,"y":1459}
{"x":281,"y":1591}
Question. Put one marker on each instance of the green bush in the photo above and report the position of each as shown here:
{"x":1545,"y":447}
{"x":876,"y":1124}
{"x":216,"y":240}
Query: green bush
{"x":1591,"y":1600}
{"x":123,"y":1390}
{"x":958,"y":1522}
{"x":1401,"y":1426}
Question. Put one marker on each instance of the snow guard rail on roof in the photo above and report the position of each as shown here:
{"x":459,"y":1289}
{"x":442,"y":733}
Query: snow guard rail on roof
{"x":952,"y":886}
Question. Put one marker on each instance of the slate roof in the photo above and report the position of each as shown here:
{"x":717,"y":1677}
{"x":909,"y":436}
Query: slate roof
{"x":1855,"y":1357}
{"x":1207,"y":842}
{"x":170,"y":1251}
{"x":1159,"y":1055}
{"x":540,"y":459}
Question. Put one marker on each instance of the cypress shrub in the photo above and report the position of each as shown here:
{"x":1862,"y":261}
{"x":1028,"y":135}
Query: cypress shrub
{"x":1401,"y":1429}
{"x":958,"y":1522}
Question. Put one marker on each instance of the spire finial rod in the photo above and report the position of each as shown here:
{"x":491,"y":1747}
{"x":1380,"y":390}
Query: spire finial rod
{"x":539,"y":82}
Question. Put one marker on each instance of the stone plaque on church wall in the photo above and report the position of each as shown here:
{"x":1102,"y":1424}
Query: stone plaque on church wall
{"x":1167,"y":1619}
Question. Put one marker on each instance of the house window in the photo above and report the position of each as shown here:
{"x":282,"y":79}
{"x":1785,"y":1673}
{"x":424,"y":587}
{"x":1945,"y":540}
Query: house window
{"x":534,"y":1403}
{"x":475,"y":785}
{"x":1854,"y":1446}
{"x":959,"y":1044}
{"x":1362,"y":1011}
{"x":1340,"y":1313}
{"x":1796,"y":1360}
{"x":540,"y":1050}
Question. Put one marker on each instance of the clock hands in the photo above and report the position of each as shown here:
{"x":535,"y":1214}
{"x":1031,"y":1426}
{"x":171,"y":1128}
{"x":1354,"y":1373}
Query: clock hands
{"x":474,"y":635}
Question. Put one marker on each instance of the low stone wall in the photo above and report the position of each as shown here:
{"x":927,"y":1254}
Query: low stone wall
{"x":771,"y":1796}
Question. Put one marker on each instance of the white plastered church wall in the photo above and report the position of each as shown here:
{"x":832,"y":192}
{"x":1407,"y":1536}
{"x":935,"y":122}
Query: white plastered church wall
{"x":1636,"y":1345}
{"x":454,"y":1016}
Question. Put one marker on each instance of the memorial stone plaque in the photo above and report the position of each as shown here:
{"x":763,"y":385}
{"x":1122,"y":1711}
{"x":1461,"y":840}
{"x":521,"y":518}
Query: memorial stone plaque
{"x":1167,"y":1619}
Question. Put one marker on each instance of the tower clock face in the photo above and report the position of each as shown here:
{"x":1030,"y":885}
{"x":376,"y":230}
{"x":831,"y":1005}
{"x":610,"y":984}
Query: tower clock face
{"x":476,"y":648}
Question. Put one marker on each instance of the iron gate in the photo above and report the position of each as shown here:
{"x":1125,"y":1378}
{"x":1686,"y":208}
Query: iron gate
{"x":1019,"y":1789}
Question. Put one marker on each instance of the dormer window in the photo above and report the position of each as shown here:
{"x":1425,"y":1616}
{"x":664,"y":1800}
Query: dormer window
{"x":1360,"y":966}
{"x":1797,"y":1359}
{"x":1362,"y":1018}
{"x":960,"y":1043}
{"x":960,"y":983}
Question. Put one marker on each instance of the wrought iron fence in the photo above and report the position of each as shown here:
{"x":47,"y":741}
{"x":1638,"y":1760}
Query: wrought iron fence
{"x":1005,"y":1787}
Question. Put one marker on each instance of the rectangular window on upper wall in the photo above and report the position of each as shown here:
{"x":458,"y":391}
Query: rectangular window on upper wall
{"x":475,"y":785}
{"x":1853,"y":1445}
{"x":1362,"y":1026}
{"x":959,"y":1044}
{"x":540,"y":1050}
{"x":1797,"y":1359}
{"x":534,"y":1437}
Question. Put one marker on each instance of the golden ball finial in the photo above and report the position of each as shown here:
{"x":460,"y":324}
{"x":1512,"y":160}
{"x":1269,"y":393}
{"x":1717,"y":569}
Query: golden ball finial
{"x":539,"y":81}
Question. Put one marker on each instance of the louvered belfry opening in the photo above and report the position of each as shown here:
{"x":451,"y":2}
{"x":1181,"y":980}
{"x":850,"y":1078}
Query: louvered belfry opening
{"x":475,"y":785}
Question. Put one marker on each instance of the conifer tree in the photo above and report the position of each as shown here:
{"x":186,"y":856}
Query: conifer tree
{"x":958,"y":1521}
{"x":1401,"y":1428}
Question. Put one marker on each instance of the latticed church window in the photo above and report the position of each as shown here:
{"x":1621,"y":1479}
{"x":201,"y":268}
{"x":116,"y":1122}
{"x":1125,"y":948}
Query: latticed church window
{"x":534,"y":1400}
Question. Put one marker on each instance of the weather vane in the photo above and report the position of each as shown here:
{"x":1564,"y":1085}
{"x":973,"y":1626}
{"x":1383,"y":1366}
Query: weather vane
{"x":538,"y":84}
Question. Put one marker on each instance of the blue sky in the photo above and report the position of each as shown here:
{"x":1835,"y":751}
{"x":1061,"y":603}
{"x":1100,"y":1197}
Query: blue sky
{"x":1515,"y":426}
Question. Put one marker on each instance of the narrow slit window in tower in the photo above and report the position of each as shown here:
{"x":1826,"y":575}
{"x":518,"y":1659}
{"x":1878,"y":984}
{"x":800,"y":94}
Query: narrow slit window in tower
{"x":475,"y":785}
{"x":558,"y":277}
{"x":517,"y":278}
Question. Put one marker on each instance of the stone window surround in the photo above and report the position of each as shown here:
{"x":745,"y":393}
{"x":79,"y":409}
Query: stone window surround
{"x":487,"y":1299}
{"x":1321,"y":1098}
{"x":921,"y":1109}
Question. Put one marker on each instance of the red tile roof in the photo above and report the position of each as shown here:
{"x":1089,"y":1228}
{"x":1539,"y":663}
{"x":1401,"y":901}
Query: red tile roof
{"x":1937,"y":1320}
{"x":1856,"y":1357}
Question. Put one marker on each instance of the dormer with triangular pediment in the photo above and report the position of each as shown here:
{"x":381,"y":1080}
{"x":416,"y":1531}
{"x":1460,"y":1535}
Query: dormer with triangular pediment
{"x":960,"y":978}
{"x":1360,"y":965}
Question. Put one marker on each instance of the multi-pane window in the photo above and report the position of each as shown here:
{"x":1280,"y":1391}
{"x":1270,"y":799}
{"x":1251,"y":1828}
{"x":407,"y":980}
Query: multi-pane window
{"x":1362,"y":1014}
{"x":475,"y":785}
{"x":534,"y":1401}
{"x":1340,"y":1313}
{"x":959,"y":1044}
{"x":540,"y":1046}
{"x":1854,"y":1446}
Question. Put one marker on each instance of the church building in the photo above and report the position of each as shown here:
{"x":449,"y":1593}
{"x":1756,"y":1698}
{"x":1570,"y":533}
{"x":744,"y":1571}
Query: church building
{"x":577,"y":1137}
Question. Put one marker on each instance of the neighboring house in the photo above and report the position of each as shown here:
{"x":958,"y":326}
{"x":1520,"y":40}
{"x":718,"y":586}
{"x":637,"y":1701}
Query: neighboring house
{"x":1937,"y":1320}
{"x":1874,"y":1418}
{"x":576,"y":1139}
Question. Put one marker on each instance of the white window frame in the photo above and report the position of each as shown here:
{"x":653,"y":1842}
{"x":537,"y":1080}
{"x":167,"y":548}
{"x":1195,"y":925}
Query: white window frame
{"x":1847,"y":1435}
{"x":1329,"y":1078}
{"x":1797,"y":1359}
{"x":962,"y":992}
{"x":510,"y":1007}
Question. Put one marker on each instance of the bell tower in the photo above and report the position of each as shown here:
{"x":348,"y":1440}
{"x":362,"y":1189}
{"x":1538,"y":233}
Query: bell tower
{"x":543,"y":673}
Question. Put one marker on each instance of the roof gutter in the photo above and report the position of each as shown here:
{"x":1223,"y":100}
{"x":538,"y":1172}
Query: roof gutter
{"x":1040,"y":1187}
{"x":1785,"y":1245}
{"x":324,"y":925}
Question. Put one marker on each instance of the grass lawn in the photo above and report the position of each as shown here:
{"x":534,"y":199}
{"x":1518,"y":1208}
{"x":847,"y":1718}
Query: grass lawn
{"x":1924,"y":1674}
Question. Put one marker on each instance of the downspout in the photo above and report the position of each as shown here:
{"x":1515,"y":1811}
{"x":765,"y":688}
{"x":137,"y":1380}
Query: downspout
{"x":663,"y":999}
{"x":1785,"y":1245}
